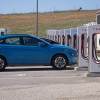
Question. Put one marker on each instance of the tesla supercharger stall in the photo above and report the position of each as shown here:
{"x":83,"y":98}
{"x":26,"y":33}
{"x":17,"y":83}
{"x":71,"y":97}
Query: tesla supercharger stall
{"x":48,"y":34}
{"x":58,"y":36}
{"x":68,"y":37}
{"x":62,"y":36}
{"x":98,"y":17}
{"x":55,"y":35}
{"x":94,"y":48}
{"x":74,"y":37}
{"x":51,"y":34}
{"x":83,"y":48}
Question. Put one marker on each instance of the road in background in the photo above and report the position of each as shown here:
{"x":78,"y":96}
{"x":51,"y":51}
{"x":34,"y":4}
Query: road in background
{"x":45,"y":83}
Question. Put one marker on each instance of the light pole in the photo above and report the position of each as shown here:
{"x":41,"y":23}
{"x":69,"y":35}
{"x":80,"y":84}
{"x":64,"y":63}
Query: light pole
{"x":37,"y":18}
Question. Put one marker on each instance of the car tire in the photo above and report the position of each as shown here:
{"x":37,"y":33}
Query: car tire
{"x":2,"y":63}
{"x":59,"y":62}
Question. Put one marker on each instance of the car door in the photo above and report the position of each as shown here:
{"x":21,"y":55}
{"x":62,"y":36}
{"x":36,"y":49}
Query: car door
{"x":12,"y":50}
{"x":33,"y":53}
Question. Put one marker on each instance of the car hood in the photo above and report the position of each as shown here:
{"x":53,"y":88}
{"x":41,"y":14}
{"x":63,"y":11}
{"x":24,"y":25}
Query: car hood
{"x":65,"y":48}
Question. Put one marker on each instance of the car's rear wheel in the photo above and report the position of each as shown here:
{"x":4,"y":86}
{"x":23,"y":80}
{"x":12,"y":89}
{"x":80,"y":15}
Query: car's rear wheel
{"x":59,"y":62}
{"x":2,"y":63}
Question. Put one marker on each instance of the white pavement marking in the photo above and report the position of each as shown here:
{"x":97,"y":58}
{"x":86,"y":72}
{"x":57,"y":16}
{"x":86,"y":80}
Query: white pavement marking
{"x":21,"y":75}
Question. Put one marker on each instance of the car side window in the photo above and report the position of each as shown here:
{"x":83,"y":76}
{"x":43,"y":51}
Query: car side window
{"x":30,"y":41}
{"x":13,"y":41}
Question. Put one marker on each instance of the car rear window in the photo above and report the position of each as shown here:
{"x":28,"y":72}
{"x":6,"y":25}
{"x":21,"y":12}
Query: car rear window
{"x":50,"y":41}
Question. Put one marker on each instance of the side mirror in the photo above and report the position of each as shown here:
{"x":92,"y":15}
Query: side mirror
{"x":42,"y":44}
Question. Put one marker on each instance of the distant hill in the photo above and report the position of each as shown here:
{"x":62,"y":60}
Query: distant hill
{"x":25,"y":23}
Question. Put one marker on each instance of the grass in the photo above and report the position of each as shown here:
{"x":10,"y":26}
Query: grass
{"x":25,"y":23}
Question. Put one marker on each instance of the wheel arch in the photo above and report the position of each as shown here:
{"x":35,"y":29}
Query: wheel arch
{"x":4,"y":59}
{"x":57,"y":55}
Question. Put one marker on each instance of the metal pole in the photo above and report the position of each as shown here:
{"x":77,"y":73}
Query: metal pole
{"x":37,"y":13}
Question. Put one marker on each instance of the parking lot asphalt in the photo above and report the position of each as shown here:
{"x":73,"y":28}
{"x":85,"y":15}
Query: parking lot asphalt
{"x":44,"y":83}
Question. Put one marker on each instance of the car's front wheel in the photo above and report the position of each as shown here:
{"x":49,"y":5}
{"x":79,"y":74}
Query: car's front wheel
{"x":59,"y":62}
{"x":2,"y":63}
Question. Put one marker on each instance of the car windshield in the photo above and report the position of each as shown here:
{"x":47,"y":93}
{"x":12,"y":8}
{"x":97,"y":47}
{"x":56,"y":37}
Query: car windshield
{"x":50,"y":41}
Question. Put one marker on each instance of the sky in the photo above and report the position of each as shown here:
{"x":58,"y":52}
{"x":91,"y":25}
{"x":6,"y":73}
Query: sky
{"x":23,"y":6}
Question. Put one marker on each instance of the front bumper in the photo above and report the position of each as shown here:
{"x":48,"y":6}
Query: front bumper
{"x":73,"y":60}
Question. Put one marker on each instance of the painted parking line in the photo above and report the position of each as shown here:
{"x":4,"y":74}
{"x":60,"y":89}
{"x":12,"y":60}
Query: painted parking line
{"x":21,"y":75}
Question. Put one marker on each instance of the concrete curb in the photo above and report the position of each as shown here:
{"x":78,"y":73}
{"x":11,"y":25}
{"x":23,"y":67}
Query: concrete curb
{"x":93,"y":74}
{"x":81,"y":68}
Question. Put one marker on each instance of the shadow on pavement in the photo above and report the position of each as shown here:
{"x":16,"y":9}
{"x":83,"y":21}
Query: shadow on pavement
{"x":15,"y":69}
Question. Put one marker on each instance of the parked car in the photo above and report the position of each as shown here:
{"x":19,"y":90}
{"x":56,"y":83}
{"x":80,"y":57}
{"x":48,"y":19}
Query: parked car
{"x":27,"y":49}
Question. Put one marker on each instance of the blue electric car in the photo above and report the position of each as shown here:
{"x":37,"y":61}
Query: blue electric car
{"x":27,"y":49}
